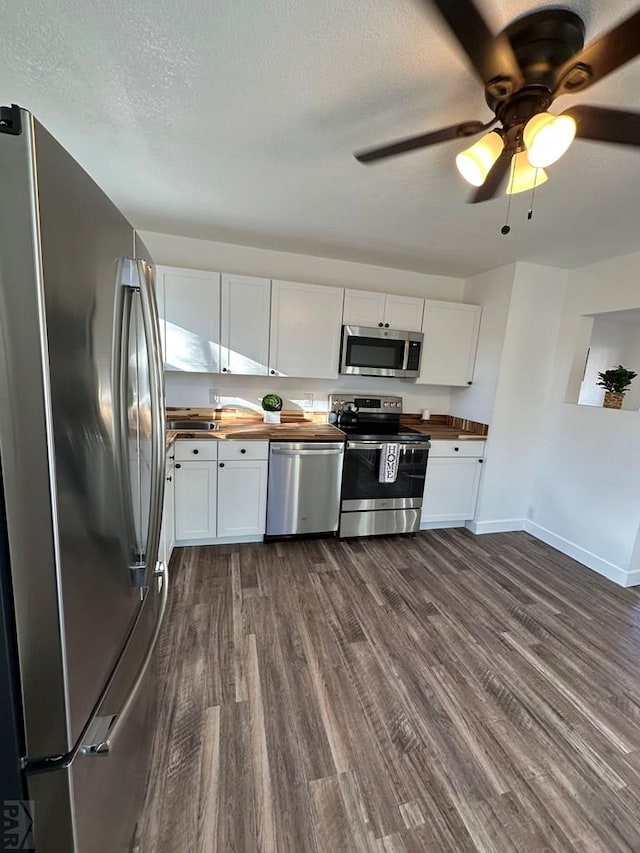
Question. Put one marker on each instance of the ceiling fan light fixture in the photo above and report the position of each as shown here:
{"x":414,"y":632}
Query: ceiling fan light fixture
{"x":474,"y":163}
{"x":523,"y":175}
{"x":547,"y":137}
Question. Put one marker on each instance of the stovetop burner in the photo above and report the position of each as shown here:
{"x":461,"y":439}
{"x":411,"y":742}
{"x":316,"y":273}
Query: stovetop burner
{"x":374,"y":419}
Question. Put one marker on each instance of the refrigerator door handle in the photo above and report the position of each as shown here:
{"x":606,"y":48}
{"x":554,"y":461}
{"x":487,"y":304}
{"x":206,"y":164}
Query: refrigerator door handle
{"x":120,"y":378}
{"x":158,"y":413}
{"x":100,"y":735}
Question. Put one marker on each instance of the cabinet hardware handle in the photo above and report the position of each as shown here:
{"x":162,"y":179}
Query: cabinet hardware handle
{"x":196,"y":451}
{"x":169,"y":479}
{"x":178,"y":465}
{"x":224,"y":369}
{"x":455,"y":448}
{"x":469,"y":382}
{"x":172,"y":457}
{"x":243,"y":450}
{"x":480,"y":461}
{"x":381,"y":324}
{"x":386,"y":325}
{"x":222,"y":464}
{"x":272,"y":372}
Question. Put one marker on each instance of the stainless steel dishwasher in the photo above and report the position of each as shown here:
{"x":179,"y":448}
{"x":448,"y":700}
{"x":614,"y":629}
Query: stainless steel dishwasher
{"x":303,"y":495}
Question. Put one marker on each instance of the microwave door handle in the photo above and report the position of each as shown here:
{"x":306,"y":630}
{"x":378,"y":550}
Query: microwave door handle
{"x":405,"y":361}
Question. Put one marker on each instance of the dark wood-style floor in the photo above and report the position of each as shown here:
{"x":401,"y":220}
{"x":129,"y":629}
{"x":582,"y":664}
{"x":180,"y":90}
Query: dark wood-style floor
{"x":443,"y":693}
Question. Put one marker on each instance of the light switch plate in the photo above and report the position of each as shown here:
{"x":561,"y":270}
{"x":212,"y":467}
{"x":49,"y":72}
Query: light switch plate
{"x":214,"y":396}
{"x":308,"y":401}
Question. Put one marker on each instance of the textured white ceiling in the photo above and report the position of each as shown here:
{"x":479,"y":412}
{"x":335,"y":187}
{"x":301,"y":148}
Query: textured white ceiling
{"x":236,"y":120}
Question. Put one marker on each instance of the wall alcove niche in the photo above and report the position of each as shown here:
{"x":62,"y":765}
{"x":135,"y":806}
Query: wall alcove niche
{"x":604,"y":341}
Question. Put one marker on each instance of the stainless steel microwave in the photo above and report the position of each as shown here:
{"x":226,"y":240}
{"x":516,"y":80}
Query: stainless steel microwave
{"x":380,"y":352}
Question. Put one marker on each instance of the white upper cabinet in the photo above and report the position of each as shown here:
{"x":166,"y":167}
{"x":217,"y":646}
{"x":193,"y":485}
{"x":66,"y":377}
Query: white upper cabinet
{"x":305,"y":330}
{"x":363,"y":308}
{"x":189,"y":305}
{"x":403,"y":312}
{"x":369,"y":309}
{"x":244,"y":331}
{"x":450,"y":341}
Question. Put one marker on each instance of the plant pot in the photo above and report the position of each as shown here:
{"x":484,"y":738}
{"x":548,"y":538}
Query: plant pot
{"x":613,"y":399}
{"x":271,"y":417}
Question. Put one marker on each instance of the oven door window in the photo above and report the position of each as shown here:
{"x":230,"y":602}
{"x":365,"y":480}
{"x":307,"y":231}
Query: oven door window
{"x":384,"y":353}
{"x":361,"y":475}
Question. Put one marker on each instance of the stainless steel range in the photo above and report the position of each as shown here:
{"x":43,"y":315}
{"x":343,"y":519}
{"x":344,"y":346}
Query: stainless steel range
{"x":384,"y":467}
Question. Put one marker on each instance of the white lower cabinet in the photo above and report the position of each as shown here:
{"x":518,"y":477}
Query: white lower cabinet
{"x":242,"y":498}
{"x":222,"y":497}
{"x":168,"y":529}
{"x":196,"y":500}
{"x":452,"y":481}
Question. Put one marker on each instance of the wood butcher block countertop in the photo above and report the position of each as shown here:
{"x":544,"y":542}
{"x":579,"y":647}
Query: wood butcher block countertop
{"x":446,"y":427}
{"x":246,"y":426}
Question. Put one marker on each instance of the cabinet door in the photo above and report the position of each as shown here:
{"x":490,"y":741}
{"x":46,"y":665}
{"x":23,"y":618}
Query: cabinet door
{"x":450,"y":341}
{"x":169,"y":515}
{"x":195,"y":500}
{"x":403,"y":312}
{"x":363,"y":308}
{"x":244,"y":328}
{"x":450,"y":489}
{"x":306,"y":321}
{"x":191,"y":302}
{"x":242,"y":498}
{"x":168,"y":529}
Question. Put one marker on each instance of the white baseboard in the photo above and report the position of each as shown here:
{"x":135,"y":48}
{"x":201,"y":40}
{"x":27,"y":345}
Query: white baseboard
{"x":501,"y":525}
{"x":440,"y":525}
{"x":221,"y":540}
{"x":623,"y":577}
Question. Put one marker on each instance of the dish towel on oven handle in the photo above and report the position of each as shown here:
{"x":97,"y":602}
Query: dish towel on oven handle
{"x":389,"y":458}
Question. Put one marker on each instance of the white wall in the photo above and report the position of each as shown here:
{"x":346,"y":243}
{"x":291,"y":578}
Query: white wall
{"x":193,"y":389}
{"x":491,"y":290}
{"x":586,"y":494}
{"x":521,"y":390}
{"x":245,"y":260}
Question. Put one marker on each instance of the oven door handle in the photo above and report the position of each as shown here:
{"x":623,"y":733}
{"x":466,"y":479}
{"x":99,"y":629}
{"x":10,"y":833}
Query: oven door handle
{"x":371,"y":445}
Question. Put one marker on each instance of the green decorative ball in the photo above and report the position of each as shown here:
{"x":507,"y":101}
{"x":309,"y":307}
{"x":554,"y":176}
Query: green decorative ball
{"x":272,"y":403}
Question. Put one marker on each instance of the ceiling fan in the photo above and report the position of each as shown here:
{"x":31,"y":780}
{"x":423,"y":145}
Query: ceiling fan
{"x":538,"y":57}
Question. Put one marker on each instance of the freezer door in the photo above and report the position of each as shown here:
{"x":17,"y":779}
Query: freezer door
{"x":62,"y":244}
{"x":94,"y":804}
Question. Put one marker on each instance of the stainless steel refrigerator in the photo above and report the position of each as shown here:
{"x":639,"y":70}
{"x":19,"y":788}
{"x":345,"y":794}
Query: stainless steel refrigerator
{"x":82,"y":448}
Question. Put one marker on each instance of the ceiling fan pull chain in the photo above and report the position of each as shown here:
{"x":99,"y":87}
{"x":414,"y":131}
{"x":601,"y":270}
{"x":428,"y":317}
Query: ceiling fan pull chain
{"x":533,"y":195}
{"x":506,"y":228}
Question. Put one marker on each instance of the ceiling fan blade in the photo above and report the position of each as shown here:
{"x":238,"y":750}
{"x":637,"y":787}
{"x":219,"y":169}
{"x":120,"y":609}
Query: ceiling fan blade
{"x":495,"y":177}
{"x":491,"y":56}
{"x":601,"y":57}
{"x":411,"y":143}
{"x":606,"y":125}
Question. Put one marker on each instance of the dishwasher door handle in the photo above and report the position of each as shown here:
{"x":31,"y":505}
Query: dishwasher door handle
{"x":281,"y":451}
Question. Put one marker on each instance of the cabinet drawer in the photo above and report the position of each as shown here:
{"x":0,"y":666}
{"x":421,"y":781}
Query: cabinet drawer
{"x":233,"y":449}
{"x":446,"y":447}
{"x":193,"y":449}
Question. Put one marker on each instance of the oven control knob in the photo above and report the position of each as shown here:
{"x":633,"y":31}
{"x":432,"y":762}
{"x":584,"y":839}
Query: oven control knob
{"x":398,"y":404}
{"x":386,"y":404}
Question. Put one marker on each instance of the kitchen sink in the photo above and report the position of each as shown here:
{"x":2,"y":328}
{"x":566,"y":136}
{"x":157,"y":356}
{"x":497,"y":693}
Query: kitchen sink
{"x":193,"y":425}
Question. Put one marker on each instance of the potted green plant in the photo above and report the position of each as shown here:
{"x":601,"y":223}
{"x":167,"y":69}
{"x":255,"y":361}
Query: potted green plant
{"x":616,"y":382}
{"x":272,"y":406}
